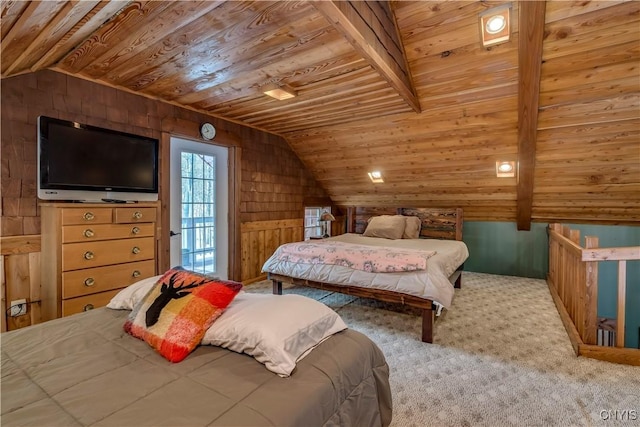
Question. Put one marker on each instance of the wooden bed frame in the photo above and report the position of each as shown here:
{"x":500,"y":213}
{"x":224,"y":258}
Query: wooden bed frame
{"x":436,"y":224}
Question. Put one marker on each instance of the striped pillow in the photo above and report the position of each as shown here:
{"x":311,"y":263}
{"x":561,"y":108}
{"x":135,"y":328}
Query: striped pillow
{"x":175,"y":314}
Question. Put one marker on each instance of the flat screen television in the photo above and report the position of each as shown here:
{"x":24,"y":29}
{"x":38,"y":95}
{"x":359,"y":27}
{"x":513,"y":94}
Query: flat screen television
{"x":87,"y":163}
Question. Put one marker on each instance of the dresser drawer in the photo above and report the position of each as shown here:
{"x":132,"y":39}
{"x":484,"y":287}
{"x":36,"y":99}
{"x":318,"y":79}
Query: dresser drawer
{"x":72,"y":216}
{"x":129,"y":215}
{"x":91,"y":280}
{"x":96,"y":254}
{"x":86,"y":303}
{"x":90,"y":233}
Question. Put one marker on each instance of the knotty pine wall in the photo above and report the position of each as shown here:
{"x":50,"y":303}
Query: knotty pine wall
{"x":587,"y":166}
{"x":274,"y":182}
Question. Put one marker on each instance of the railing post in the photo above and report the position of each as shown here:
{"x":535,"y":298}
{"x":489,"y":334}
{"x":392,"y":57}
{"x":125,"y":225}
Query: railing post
{"x":577,"y":291}
{"x":622,"y":285}
{"x":553,"y":256}
{"x":591,"y":295}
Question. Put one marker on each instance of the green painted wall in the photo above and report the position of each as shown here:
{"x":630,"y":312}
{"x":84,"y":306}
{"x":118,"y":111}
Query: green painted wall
{"x":499,"y":248}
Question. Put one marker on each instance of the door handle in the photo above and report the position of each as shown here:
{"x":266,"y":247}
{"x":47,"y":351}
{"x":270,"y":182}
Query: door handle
{"x":173,"y":233}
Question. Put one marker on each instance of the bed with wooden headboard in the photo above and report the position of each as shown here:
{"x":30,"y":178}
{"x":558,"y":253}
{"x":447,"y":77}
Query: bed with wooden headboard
{"x":436,"y":225}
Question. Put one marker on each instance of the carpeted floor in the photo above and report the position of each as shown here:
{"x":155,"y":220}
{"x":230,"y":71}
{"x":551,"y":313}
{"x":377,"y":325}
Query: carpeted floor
{"x":501,"y":358}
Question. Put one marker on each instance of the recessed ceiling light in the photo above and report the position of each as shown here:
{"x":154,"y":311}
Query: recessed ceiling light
{"x":505,"y":169}
{"x":495,"y":26}
{"x":376,"y":177}
{"x":280,"y":93}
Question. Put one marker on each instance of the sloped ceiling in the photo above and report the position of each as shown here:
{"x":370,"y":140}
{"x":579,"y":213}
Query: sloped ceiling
{"x":352,"y":116}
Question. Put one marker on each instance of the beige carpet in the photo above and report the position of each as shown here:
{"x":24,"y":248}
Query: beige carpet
{"x":501,"y":358}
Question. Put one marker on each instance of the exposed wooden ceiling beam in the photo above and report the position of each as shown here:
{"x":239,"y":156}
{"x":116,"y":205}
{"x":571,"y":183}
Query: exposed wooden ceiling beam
{"x":531,"y":21}
{"x":371,"y":29}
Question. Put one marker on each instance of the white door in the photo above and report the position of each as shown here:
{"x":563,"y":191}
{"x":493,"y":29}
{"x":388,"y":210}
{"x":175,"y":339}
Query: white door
{"x":199,"y":207}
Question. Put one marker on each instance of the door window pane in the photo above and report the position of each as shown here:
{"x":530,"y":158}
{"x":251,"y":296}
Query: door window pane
{"x":198,"y":212}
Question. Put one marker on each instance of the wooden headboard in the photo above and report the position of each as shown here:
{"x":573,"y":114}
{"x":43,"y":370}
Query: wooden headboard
{"x":437,"y":223}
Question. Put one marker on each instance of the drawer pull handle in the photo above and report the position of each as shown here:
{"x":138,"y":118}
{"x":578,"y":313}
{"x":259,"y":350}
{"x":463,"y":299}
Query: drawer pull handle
{"x":137,"y":214}
{"x":88,"y":255}
{"x":89,"y":216}
{"x":135,"y":250}
{"x":135,"y":230}
{"x":90,"y":281}
{"x":88,"y":233}
{"x":88,"y":307}
{"x":136,"y":273}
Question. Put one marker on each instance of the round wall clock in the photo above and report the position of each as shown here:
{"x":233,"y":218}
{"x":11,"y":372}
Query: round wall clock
{"x":208,"y":131}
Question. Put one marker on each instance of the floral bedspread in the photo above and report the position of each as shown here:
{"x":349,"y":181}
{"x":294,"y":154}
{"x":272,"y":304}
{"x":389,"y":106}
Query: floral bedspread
{"x":358,"y":257}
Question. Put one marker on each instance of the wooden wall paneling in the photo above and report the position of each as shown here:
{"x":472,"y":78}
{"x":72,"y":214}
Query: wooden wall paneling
{"x":11,"y":12}
{"x":246,"y":269}
{"x":174,"y":18}
{"x":254,"y":249}
{"x":583,"y":32}
{"x":20,"y":259}
{"x":618,"y":108}
{"x":18,"y":286}
{"x":62,"y":25}
{"x":19,"y":244}
{"x":260,"y":239}
{"x":591,"y":91}
{"x":34,"y":288}
{"x":26,"y":28}
{"x":87,"y":23}
{"x":260,"y":251}
{"x":560,"y":10}
{"x":129,"y":22}
{"x":602,"y":36}
{"x":240,"y":53}
{"x":3,"y":296}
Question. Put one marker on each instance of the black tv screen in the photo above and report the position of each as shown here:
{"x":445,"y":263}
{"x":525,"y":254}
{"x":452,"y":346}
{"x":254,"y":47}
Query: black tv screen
{"x":82,"y":162}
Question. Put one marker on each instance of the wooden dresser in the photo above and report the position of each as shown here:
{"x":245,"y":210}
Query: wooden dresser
{"x":91,"y":251}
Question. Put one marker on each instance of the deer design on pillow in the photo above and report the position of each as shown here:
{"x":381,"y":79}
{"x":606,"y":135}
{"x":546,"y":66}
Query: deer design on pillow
{"x":168,"y":293}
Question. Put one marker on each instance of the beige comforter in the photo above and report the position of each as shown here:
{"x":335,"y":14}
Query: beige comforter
{"x":84,"y":370}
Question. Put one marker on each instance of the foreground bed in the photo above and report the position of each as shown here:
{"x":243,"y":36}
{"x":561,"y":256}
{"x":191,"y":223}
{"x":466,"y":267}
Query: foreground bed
{"x":420,"y":289}
{"x":85,"y":370}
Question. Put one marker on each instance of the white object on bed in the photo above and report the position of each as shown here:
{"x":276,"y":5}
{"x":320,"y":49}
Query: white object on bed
{"x":127,"y":298}
{"x":277,"y":330}
{"x":432,"y":283}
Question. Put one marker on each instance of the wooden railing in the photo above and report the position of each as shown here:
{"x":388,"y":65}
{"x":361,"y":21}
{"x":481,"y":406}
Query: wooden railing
{"x":573,"y":283}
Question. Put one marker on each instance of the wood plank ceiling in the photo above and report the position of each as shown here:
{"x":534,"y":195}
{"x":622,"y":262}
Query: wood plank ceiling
{"x":424,"y":103}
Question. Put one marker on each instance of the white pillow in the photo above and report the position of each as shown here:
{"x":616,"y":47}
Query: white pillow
{"x":127,"y":298}
{"x":277,"y":330}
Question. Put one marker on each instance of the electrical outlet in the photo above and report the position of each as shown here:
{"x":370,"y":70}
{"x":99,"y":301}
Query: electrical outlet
{"x":18,"y":307}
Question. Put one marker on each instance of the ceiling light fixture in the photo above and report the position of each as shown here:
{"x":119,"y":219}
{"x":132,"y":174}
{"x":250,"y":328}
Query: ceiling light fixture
{"x":505,"y":169}
{"x":495,"y":25}
{"x":376,"y":177}
{"x":279,"y":92}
